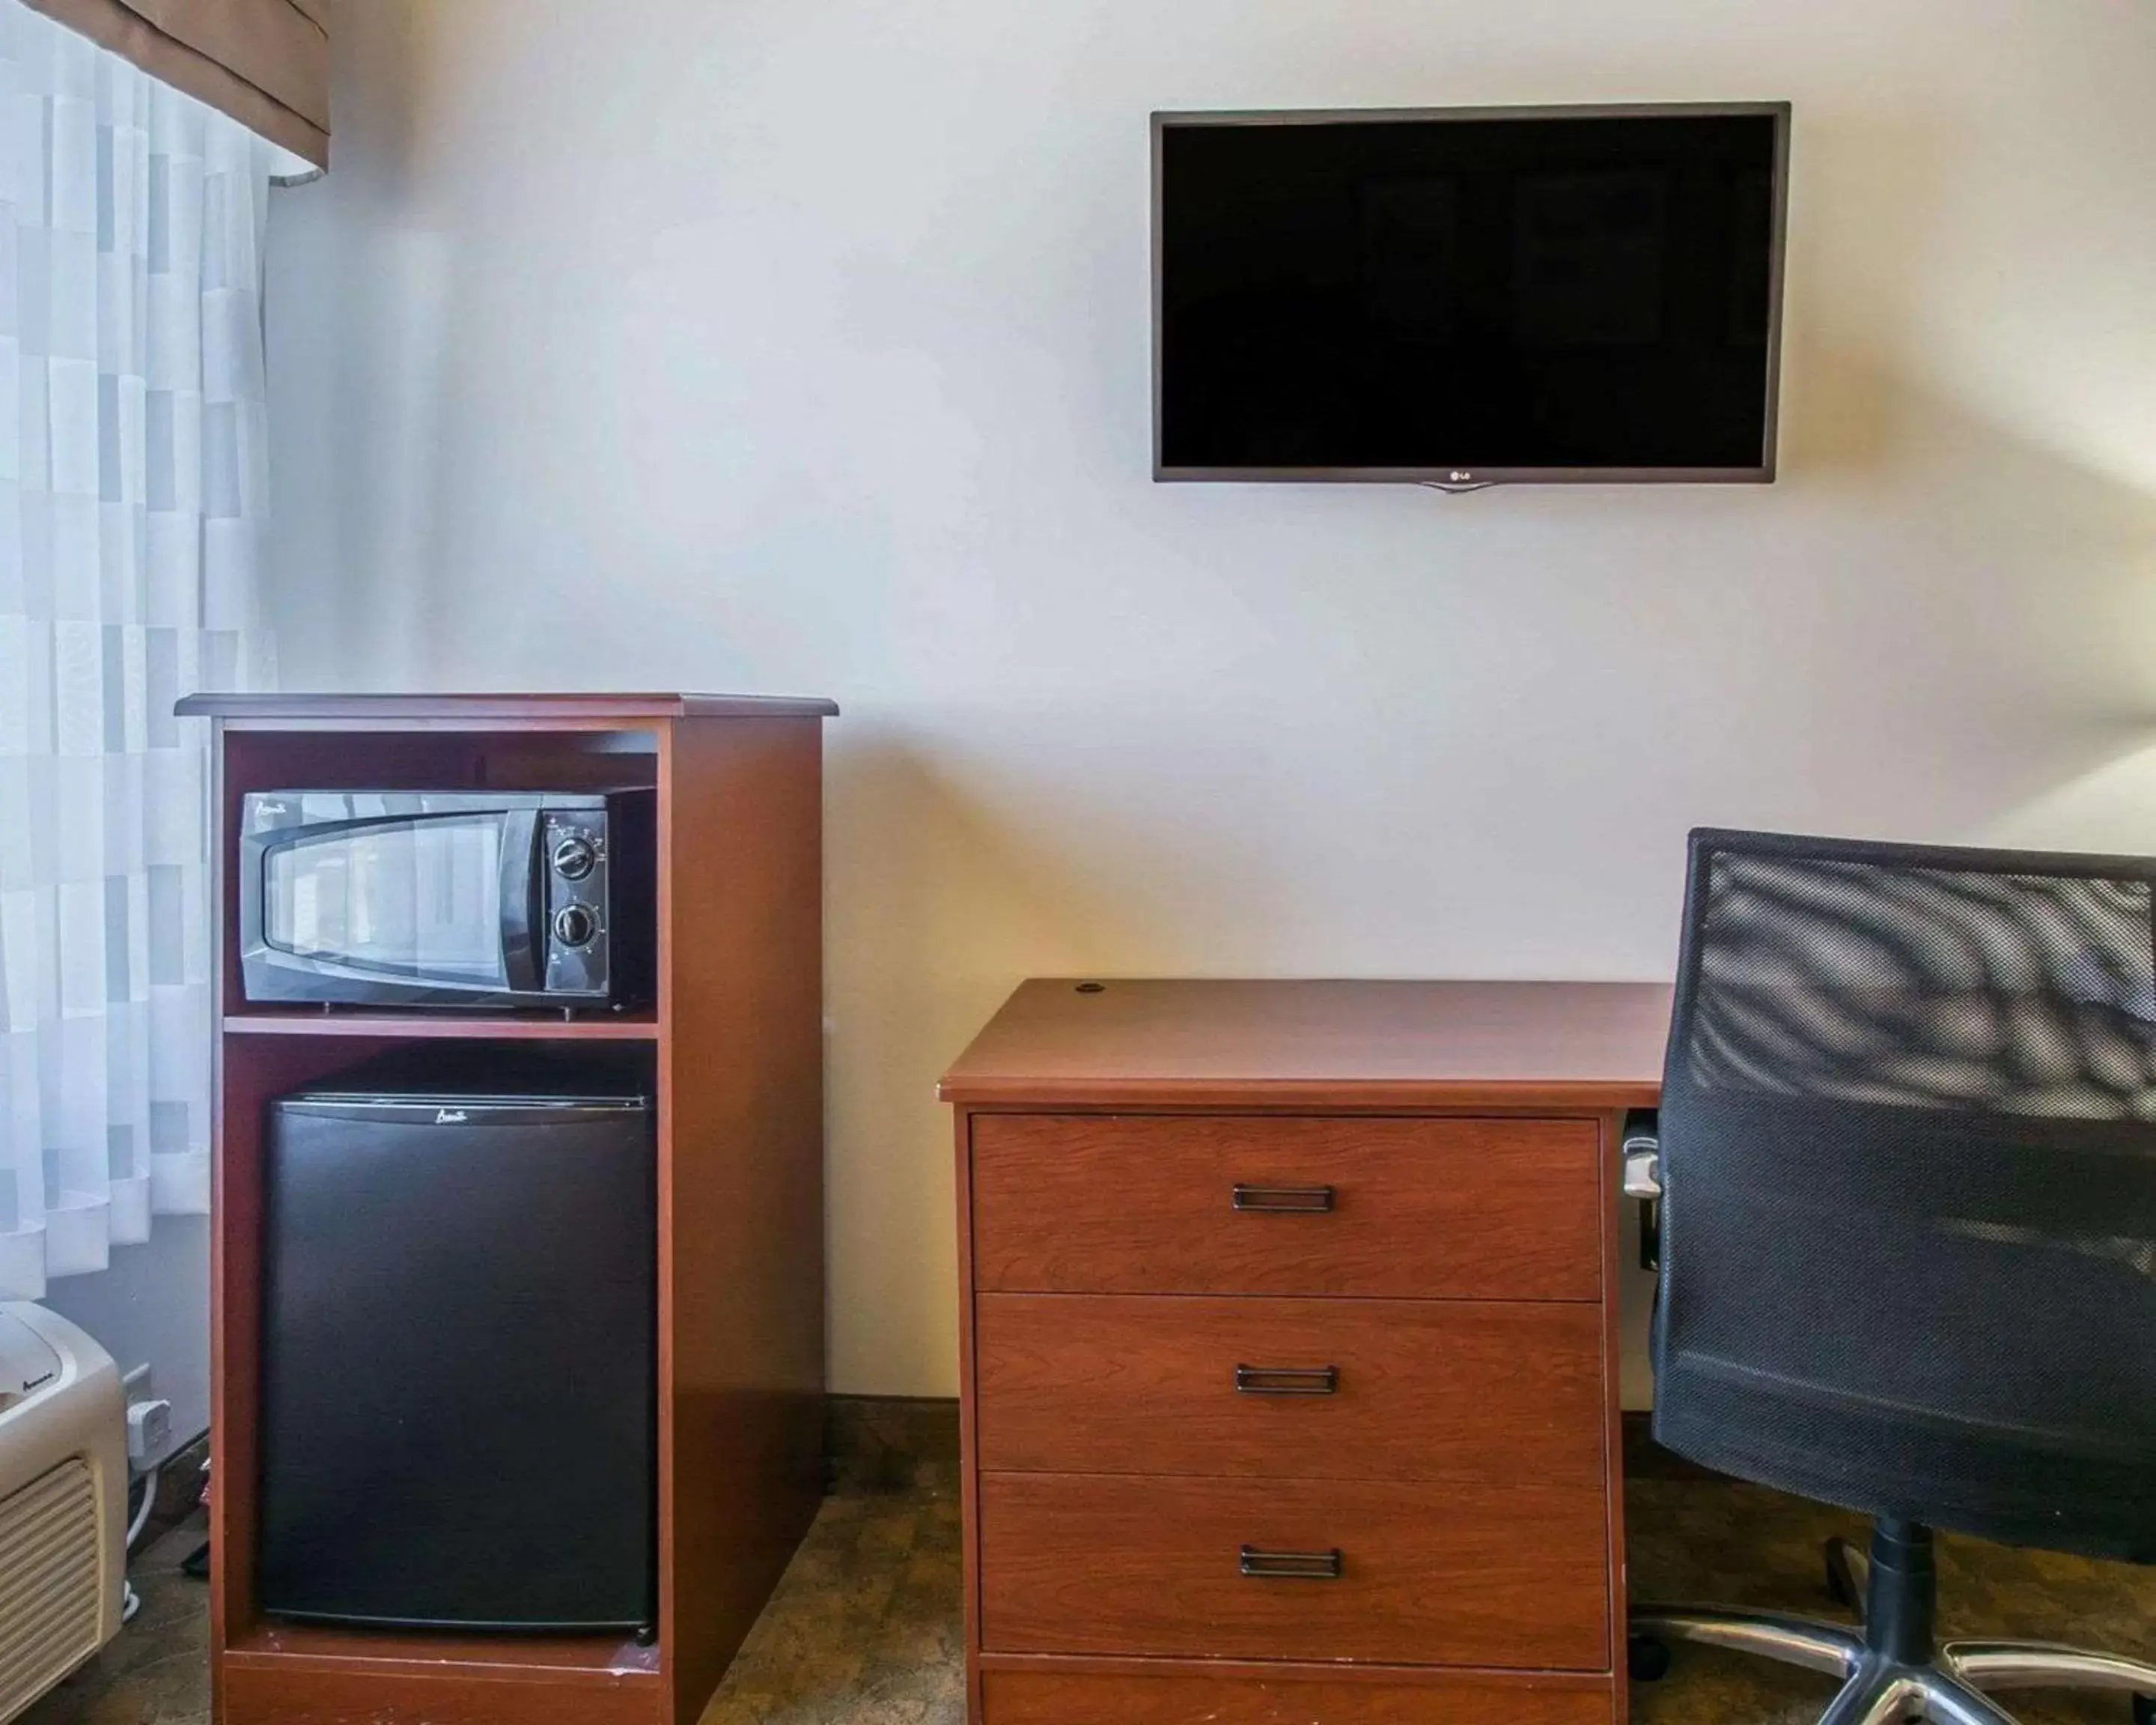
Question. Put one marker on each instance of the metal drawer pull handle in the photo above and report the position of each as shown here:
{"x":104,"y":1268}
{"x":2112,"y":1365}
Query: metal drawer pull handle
{"x":1287,"y":1380}
{"x":1284,"y":1200}
{"x":1291,"y":1565}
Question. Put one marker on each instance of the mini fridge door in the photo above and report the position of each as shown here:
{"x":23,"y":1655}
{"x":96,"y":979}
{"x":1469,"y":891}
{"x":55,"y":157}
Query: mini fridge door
{"x":458,"y":1386}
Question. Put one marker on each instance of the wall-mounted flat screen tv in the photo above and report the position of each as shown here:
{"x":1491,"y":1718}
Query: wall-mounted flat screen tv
{"x":1466,"y":297}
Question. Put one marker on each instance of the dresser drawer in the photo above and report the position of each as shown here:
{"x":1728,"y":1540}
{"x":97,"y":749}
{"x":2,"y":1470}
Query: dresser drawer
{"x":1473,"y":1392}
{"x":1428,"y":1573}
{"x":1490,"y":1209}
{"x":1055,"y":1698}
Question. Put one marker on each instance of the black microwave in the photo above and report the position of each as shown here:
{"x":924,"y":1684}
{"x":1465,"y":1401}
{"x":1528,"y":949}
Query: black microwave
{"x":475,"y":899}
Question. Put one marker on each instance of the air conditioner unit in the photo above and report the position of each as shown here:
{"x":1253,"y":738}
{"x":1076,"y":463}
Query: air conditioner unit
{"x":63,"y":1501}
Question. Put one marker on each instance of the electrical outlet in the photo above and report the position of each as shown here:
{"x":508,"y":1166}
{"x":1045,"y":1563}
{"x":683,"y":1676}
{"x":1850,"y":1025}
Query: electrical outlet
{"x":149,"y":1429}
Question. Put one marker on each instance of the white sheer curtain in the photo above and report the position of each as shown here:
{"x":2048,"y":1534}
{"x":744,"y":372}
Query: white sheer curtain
{"x":132,"y":481}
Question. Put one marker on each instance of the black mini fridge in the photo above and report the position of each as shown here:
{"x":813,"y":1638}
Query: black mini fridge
{"x":458,"y":1388}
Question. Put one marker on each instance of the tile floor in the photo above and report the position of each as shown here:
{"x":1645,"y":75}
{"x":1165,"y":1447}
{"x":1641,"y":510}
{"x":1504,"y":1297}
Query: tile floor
{"x":865,"y":1629}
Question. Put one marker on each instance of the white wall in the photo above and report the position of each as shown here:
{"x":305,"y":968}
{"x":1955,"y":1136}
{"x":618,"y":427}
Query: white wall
{"x":775,"y":346}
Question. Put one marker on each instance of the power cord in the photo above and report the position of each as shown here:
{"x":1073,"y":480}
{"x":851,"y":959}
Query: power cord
{"x":131,"y":1602}
{"x":149,"y":1502}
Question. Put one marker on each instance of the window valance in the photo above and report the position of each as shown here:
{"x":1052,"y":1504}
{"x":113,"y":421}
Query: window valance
{"x":266,"y":62}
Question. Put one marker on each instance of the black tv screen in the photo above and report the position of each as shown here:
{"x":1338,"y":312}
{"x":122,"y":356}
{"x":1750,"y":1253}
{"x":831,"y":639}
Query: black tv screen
{"x":1467,"y":296}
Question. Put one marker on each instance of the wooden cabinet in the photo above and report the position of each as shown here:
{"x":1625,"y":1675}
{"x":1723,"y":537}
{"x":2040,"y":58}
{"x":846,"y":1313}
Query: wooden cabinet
{"x":733,"y":1044}
{"x":1288,"y":1351}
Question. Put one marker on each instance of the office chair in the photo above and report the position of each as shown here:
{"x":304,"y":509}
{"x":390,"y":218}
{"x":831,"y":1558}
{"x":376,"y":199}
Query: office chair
{"x":1907,"y":1162}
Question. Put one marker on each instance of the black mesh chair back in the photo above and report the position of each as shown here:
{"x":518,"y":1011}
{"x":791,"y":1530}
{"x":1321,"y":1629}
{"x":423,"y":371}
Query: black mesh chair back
{"x":1908,"y":1130}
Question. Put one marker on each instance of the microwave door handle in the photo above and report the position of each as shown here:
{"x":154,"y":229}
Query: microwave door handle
{"x":523,"y":902}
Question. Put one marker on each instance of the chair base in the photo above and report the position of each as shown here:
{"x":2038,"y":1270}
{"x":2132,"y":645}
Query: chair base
{"x":1890,"y":1668}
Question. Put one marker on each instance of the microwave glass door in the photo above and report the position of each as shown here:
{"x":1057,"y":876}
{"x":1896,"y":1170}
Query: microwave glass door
{"x":410,"y":897}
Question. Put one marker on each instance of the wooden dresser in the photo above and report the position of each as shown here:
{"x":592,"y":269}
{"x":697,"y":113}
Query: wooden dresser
{"x":1289,"y":1339}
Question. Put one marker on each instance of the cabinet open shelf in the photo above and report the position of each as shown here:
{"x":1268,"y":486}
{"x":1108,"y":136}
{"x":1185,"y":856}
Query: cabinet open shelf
{"x":270,"y":1021}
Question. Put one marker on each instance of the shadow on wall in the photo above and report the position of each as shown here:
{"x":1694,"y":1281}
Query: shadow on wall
{"x":937,"y":904}
{"x":2001,"y":643}
{"x":359,"y":312}
{"x":1855,"y":279}
{"x":2003,"y":663}
{"x":1989,"y":647}
{"x":932,"y":892}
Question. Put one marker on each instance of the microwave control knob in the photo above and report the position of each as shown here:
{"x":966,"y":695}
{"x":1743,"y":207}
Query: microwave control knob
{"x":574,"y":925}
{"x":574,"y":857}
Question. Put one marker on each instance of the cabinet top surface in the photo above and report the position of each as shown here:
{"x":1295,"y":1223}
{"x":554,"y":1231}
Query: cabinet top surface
{"x":1318,"y":1044}
{"x":562,"y":705}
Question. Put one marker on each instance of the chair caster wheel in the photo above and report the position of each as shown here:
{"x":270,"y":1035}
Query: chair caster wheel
{"x":1648,"y":1661}
{"x":2144,"y":1710}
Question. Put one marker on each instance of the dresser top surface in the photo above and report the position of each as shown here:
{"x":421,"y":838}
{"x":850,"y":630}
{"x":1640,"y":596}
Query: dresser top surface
{"x":1059,"y":1042}
{"x":570,"y":703}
